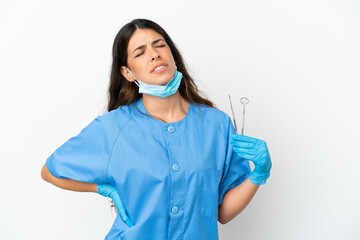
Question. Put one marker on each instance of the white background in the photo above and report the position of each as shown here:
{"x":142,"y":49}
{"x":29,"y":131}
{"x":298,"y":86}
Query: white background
{"x":297,"y":62}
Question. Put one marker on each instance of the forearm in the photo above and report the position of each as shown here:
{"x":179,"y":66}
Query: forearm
{"x":68,"y":184}
{"x":236,"y":200}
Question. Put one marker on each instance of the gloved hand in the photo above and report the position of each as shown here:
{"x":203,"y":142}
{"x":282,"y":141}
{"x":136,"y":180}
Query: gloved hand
{"x":108,"y":190}
{"x":255,"y":150}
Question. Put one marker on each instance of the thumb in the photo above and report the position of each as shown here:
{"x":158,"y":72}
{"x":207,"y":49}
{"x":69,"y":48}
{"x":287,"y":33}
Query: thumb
{"x":120,"y":209}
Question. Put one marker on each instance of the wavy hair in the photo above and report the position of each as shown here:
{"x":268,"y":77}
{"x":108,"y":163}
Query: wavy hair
{"x":122,"y":92}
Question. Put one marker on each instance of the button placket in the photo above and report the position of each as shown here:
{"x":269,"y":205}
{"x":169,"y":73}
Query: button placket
{"x":175,"y":209}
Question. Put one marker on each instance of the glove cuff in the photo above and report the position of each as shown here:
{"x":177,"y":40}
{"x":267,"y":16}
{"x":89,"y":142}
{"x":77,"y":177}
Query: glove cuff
{"x":258,"y":179}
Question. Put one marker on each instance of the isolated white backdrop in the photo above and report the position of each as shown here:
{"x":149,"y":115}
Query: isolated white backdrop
{"x":297,"y":62}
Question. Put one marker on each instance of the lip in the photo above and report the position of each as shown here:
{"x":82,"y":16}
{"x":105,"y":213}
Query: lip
{"x":158,"y":65}
{"x":161,"y":70}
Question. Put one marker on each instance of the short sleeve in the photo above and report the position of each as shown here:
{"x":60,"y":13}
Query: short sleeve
{"x":236,"y":168}
{"x":84,"y":157}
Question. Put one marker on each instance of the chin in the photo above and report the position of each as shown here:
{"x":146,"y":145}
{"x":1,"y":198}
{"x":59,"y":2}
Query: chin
{"x":164,"y":82}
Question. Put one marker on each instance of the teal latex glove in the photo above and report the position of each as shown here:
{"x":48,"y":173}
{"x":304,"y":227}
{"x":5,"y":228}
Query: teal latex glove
{"x":108,"y":190}
{"x":254,"y":150}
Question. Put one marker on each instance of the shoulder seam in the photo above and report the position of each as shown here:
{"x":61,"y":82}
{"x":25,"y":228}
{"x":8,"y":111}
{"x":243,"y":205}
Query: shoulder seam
{"x":222,"y":134}
{"x":112,"y":148}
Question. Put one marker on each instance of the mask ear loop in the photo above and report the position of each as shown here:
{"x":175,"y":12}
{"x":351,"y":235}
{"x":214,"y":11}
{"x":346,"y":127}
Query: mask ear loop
{"x":135,"y":81}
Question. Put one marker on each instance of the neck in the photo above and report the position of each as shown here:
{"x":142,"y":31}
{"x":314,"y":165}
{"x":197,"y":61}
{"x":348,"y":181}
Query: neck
{"x":170,"y":109}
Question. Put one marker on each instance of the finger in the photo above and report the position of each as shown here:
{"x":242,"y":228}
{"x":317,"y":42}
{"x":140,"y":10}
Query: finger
{"x":116,"y":199}
{"x":128,"y":222}
{"x":125,"y":217}
{"x":243,"y":138}
{"x":123,"y":213}
{"x":256,"y":145}
{"x":119,"y":206}
{"x":241,"y":144}
{"x":246,"y":150}
{"x":244,"y":154}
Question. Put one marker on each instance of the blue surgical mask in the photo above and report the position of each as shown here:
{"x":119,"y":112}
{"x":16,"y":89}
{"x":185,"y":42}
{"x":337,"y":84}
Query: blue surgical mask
{"x":160,"y":90}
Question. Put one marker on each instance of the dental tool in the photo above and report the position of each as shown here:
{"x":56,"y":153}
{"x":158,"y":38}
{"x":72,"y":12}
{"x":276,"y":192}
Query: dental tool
{"x":232,"y":110}
{"x":244,"y":101}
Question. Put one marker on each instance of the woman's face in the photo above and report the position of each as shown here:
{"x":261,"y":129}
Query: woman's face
{"x":143,"y":60}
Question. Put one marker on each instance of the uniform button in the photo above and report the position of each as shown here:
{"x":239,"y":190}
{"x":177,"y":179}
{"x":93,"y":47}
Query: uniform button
{"x":175,"y":167}
{"x":171,"y":129}
{"x":175,"y":209}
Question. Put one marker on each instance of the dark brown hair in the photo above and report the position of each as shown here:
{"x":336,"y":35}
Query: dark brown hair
{"x":122,"y":92}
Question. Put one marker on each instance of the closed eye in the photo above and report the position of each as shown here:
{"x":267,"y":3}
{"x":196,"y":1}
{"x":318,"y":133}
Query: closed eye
{"x":143,"y":52}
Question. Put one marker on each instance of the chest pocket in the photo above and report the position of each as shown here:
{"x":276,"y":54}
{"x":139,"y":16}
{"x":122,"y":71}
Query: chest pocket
{"x":208,"y":181}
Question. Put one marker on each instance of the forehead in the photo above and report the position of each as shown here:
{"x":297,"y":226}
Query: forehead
{"x":141,"y":37}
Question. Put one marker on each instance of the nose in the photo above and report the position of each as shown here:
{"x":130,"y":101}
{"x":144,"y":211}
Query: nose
{"x":157,"y":57}
{"x":154,"y":54}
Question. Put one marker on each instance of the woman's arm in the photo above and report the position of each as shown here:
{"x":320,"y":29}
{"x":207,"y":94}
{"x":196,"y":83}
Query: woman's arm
{"x":67,"y":184}
{"x":236,"y":200}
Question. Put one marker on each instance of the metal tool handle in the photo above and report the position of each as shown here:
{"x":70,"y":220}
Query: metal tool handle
{"x":232,"y":110}
{"x":244,"y":101}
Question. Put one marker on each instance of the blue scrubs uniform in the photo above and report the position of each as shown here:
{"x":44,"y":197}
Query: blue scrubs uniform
{"x":171,"y":177}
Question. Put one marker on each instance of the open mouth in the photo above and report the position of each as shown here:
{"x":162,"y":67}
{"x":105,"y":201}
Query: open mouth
{"x":160,"y":69}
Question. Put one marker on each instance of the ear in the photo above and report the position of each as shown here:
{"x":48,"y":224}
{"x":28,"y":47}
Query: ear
{"x":126,"y":74}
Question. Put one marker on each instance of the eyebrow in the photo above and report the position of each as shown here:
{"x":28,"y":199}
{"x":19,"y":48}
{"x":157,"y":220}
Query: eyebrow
{"x":142,"y":46}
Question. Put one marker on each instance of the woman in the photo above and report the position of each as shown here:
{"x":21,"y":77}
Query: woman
{"x":167,"y":152}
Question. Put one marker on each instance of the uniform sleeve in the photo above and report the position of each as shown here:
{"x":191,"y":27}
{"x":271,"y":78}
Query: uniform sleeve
{"x":236,"y":169}
{"x":84,"y":157}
